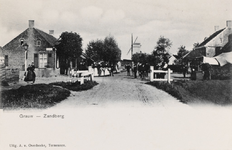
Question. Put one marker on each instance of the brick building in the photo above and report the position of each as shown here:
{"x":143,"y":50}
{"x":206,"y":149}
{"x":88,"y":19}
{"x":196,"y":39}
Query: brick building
{"x":40,"y":51}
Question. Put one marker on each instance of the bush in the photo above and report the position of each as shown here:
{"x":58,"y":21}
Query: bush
{"x":33,"y":96}
{"x":221,"y":73}
{"x":76,"y":85}
{"x":169,"y":88}
{"x":4,"y":83}
{"x":216,"y":91}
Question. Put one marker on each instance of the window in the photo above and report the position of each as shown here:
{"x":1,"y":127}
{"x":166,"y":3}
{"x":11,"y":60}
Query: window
{"x":49,"y":54}
{"x":36,"y":60}
{"x":21,"y":41}
{"x":38,"y":43}
{"x":43,"y":60}
{"x":6,"y":60}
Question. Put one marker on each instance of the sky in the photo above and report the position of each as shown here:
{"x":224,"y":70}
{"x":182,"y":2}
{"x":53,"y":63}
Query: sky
{"x":184,"y":22}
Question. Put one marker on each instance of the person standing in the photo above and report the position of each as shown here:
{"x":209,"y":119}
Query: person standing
{"x":112,"y":70}
{"x":185,"y":70}
{"x":30,"y":74}
{"x":128,"y":67}
{"x":99,"y":70}
{"x":206,"y":69}
{"x":33,"y":71}
{"x":135,"y":71}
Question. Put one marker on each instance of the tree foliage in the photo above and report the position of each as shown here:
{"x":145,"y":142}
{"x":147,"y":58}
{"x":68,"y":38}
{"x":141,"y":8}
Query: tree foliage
{"x":112,"y":53}
{"x":158,"y":56}
{"x":106,"y":50}
{"x":163,"y":44}
{"x":196,"y":45}
{"x":182,"y":51}
{"x":69,"y":49}
{"x":160,"y":53}
{"x":70,"y":45}
{"x":140,"y":58}
{"x":95,"y":50}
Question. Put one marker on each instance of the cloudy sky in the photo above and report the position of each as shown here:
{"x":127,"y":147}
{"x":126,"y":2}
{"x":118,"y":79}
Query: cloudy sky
{"x":184,"y":22}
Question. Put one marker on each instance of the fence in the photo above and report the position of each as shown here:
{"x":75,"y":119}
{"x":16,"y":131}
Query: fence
{"x":9,"y":75}
{"x":168,"y":72}
{"x":80,"y":75}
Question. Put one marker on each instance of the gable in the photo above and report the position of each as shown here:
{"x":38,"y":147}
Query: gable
{"x":34,"y":34}
{"x":207,"y":40}
{"x":15,"y":43}
{"x":49,"y":38}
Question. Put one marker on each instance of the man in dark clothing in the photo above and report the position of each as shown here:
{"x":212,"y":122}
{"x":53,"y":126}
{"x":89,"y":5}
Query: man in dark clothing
{"x":147,"y":69}
{"x":128,"y":67}
{"x":112,"y":71}
{"x":185,"y":70}
{"x":206,"y":68}
{"x":135,"y":71}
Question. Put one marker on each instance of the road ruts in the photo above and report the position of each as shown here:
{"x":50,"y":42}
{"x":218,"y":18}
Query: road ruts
{"x":120,"y":90}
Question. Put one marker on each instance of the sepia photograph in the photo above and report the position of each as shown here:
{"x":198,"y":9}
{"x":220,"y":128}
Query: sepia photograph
{"x":116,"y":74}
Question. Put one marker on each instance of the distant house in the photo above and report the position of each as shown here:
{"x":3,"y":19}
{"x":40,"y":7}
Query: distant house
{"x":219,"y":42}
{"x":40,"y":51}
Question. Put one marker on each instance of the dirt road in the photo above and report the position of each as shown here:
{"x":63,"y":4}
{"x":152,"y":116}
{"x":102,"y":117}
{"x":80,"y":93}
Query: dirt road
{"x":144,"y":118}
{"x":120,"y":90}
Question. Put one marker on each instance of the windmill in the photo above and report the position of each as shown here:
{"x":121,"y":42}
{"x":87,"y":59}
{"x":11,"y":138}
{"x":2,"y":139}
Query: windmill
{"x":132,"y":45}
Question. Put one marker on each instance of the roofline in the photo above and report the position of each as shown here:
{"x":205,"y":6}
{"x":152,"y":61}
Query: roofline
{"x":211,"y":37}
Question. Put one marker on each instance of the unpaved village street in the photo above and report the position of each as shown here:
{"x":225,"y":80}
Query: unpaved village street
{"x":120,"y":113}
{"x":120,"y":90}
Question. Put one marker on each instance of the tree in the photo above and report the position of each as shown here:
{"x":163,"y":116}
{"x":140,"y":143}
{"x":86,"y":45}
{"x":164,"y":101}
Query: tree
{"x":160,"y":54}
{"x":95,"y":50}
{"x":69,"y":49}
{"x":182,"y":51}
{"x":163,"y":45}
{"x":112,"y":53}
{"x":106,"y":50}
{"x":195,"y":45}
{"x":140,"y":57}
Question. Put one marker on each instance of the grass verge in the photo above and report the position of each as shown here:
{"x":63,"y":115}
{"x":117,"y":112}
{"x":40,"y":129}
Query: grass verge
{"x":33,"y":96}
{"x":215,"y":91}
{"x":76,"y":85}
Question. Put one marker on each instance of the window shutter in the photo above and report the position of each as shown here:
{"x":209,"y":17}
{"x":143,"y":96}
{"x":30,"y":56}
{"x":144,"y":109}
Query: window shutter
{"x":36,"y":60}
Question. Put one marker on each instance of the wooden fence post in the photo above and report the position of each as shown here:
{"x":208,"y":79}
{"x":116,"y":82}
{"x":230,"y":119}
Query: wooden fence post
{"x":151,"y":73}
{"x":169,"y":75}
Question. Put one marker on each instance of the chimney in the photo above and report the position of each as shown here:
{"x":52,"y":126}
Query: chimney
{"x":31,"y":24}
{"x":51,"y":32}
{"x":229,"y":23}
{"x":216,"y":28}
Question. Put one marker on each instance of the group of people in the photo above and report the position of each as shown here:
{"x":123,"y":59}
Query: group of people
{"x":160,"y":66}
{"x":141,"y":69}
{"x":102,"y":69}
{"x":30,"y":75}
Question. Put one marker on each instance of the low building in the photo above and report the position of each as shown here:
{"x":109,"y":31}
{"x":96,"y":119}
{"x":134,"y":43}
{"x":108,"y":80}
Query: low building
{"x":219,"y":42}
{"x":32,"y":46}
